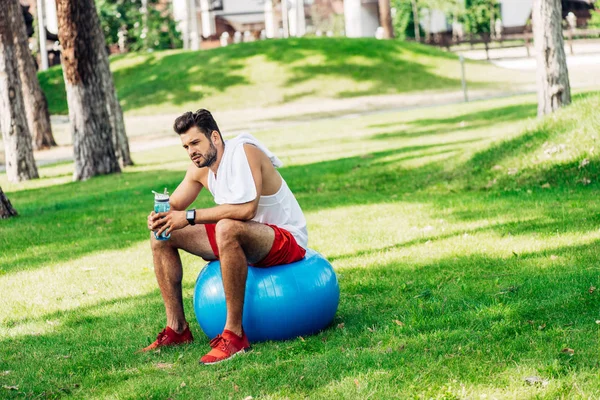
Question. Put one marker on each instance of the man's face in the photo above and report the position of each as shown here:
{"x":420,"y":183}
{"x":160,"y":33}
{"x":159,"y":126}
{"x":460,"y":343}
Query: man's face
{"x":201,"y":150}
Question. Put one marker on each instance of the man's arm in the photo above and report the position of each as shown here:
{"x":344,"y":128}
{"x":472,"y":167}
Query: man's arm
{"x":243,"y":212}
{"x":187,"y":191}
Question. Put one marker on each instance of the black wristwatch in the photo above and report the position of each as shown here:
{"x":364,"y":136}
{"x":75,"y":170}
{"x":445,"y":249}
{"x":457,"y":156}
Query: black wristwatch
{"x":190,"y":215}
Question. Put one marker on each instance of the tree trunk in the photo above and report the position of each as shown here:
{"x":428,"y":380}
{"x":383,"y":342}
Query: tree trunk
{"x":6,"y":209}
{"x":83,"y":57}
{"x":554,"y":90}
{"x":416,"y":20}
{"x":120,"y":141}
{"x":20,"y":164}
{"x":385,"y":19}
{"x":36,"y":106}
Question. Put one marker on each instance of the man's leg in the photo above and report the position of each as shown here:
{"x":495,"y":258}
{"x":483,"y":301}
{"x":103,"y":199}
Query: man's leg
{"x":239,"y":243}
{"x":169,"y":272}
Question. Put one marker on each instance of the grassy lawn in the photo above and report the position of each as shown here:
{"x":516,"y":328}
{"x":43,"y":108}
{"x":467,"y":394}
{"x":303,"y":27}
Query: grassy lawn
{"x":268,"y":73}
{"x":465,"y":239}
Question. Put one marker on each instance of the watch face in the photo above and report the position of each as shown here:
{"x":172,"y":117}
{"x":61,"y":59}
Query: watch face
{"x":190,"y":214}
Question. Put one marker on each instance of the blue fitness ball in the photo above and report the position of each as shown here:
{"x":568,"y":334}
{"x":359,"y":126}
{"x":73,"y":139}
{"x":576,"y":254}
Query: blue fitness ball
{"x":281,"y":302}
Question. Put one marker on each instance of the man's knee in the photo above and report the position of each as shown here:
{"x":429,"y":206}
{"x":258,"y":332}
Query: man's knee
{"x":158,"y":245}
{"x":228,"y":230}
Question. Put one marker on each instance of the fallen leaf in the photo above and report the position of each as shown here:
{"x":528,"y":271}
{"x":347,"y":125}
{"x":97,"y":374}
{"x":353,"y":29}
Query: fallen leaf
{"x":301,"y":338}
{"x":586,"y":181}
{"x":401,"y":348}
{"x":164,"y":365}
{"x":583,"y":163}
{"x":546,"y":186}
{"x":536,"y":381}
{"x":248,"y":398}
{"x":371,"y":329}
{"x":356,"y":382}
{"x":597,"y":322}
{"x":568,"y":351}
{"x":513,"y":171}
{"x":3,"y":373}
{"x":399,"y":323}
{"x":592,"y":289}
{"x":341,"y":326}
{"x":389,"y":350}
{"x":496,"y":167}
{"x":236,"y":387}
{"x":10,"y":387}
{"x":182,"y":385}
{"x":553,"y":257}
{"x":302,"y":377}
{"x":542,"y":327}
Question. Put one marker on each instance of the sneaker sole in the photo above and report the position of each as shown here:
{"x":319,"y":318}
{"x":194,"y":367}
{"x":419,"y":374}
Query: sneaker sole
{"x":246,"y":350}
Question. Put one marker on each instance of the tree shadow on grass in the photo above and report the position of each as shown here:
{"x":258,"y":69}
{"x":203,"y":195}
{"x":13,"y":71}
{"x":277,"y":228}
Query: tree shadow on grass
{"x":468,"y":318}
{"x":474,"y":120}
{"x":183,"y":77}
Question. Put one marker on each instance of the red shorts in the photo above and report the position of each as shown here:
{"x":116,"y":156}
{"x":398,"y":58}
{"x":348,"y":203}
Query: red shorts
{"x":285,"y":249}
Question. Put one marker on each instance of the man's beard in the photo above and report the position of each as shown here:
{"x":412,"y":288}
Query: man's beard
{"x":209,"y":158}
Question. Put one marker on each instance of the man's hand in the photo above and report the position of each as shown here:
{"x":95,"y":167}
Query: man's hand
{"x":166,"y":222}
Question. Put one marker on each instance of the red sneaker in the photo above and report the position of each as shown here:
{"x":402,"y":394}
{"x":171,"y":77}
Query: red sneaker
{"x":226,"y":346}
{"x":168,"y":337}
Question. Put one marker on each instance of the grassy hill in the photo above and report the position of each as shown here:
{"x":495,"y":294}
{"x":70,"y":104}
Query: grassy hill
{"x":267,"y":73}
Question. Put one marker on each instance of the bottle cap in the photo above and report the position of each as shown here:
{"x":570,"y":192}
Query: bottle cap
{"x":161,"y":196}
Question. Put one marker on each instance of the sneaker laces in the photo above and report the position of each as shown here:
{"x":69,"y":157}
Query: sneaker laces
{"x":162,"y":335}
{"x":220,"y":342}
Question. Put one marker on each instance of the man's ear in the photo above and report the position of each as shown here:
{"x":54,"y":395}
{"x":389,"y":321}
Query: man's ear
{"x":215,"y":137}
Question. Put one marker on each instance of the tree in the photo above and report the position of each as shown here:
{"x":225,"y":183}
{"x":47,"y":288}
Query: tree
{"x":385,"y":19}
{"x":36,"y":106}
{"x":87,"y":80}
{"x":125,"y":16}
{"x":6,"y":209}
{"x":554,"y":90}
{"x":20,"y":164}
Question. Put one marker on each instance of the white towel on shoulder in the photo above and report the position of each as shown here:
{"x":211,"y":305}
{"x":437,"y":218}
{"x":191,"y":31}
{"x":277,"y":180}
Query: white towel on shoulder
{"x":233,"y":183}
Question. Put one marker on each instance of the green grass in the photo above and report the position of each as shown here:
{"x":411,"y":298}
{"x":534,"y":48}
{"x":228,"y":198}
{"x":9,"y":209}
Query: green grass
{"x":465,"y":239}
{"x":268,"y":73}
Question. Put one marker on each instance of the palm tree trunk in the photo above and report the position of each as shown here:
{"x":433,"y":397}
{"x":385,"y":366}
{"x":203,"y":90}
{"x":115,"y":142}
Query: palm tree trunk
{"x":83,"y":57}
{"x":20,"y":164}
{"x":6,"y":209}
{"x":554,"y":90}
{"x":36,"y":106}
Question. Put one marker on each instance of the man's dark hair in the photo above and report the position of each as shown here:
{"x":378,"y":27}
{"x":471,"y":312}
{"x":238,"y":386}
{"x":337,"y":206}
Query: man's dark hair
{"x":202,"y":119}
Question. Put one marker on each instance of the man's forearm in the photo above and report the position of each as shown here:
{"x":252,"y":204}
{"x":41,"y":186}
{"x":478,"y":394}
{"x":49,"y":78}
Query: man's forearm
{"x":241,"y":212}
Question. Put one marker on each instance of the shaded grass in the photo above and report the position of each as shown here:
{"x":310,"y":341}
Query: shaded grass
{"x":267,"y":73}
{"x":450,"y":288}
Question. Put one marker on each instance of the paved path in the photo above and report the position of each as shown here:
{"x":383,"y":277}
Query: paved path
{"x":234,"y":121}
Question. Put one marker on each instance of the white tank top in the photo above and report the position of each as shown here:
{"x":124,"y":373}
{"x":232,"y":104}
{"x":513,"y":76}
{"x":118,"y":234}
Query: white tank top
{"x":235,"y":185}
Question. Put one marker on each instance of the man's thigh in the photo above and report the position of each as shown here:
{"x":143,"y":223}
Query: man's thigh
{"x":256,"y":239}
{"x":194,"y":240}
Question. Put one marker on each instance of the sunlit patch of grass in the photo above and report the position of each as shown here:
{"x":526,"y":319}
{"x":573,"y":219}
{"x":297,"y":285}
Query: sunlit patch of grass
{"x":267,"y":73}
